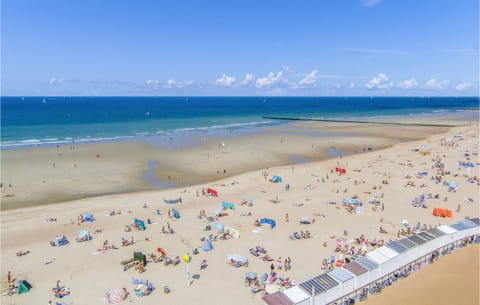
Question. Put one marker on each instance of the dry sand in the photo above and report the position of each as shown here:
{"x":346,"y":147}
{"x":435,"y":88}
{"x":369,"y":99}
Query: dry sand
{"x":89,"y":274}
{"x":454,"y":279}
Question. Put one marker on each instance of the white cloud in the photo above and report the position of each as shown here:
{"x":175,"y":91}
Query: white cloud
{"x":379,"y":82}
{"x":434,"y":84}
{"x":56,"y":80}
{"x":371,"y":2}
{"x":351,"y":86}
{"x":171,"y":83}
{"x":463,"y":86}
{"x":249,"y":78}
{"x":152,"y":83}
{"x":270,"y":80}
{"x":287,"y":69}
{"x":225,"y":81}
{"x":408,"y":84}
{"x":309,"y":80}
{"x":376,"y":51}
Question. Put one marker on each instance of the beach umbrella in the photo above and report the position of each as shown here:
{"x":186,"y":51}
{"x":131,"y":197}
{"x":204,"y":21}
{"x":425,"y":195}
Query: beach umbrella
{"x":250,"y":275}
{"x":116,"y":296}
{"x":162,"y":251}
{"x":187,"y":258}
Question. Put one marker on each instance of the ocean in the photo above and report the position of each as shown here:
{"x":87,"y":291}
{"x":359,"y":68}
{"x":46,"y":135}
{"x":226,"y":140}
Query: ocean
{"x":32,"y":121}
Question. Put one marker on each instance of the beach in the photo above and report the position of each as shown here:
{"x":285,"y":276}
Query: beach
{"x":379,"y":161}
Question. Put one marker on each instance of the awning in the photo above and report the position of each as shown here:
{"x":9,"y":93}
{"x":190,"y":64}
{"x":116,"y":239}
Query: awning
{"x":417,"y":239}
{"x":426,"y":236}
{"x":435,"y":232}
{"x":447,"y":229}
{"x":367,"y":263}
{"x":340,"y":274}
{"x":399,"y":248}
{"x":407,"y":243}
{"x":319,"y":284}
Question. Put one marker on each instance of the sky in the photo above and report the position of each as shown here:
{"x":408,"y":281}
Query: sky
{"x":240,"y":48}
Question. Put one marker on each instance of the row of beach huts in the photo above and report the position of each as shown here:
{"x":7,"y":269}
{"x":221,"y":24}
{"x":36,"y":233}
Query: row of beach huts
{"x":350,"y":280}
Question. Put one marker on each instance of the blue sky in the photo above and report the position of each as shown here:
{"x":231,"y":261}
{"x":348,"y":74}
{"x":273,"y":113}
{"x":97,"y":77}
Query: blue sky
{"x":248,"y":47}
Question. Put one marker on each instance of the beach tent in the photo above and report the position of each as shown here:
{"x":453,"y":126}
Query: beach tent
{"x":140,"y":223}
{"x":271,"y":222}
{"x":232,"y":231}
{"x":176,"y":214}
{"x":276,"y":179}
{"x":207,"y":245}
{"x":220,"y":227}
{"x":62,"y":240}
{"x":23,"y":286}
{"x":139,"y":256}
{"x":237,"y":258}
{"x":228,"y":205}
{"x":88,"y":216}
{"x":248,"y":200}
{"x":352,"y":201}
{"x":84,"y":235}
{"x":212,"y":192}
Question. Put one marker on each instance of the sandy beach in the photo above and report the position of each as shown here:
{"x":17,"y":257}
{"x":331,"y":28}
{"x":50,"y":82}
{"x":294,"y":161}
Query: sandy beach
{"x":379,"y":161}
{"x":44,"y":175}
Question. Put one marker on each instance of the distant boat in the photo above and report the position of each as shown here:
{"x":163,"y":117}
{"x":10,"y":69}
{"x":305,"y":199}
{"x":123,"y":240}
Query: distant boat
{"x":44,"y":101}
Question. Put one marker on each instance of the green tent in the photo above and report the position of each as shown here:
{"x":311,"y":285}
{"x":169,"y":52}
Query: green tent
{"x":23,"y":286}
{"x":139,"y":256}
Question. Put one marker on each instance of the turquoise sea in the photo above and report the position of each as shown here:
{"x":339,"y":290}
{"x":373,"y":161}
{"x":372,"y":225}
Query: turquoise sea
{"x":30,"y":121}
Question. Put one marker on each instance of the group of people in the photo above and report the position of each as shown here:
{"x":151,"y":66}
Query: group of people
{"x":300,"y":235}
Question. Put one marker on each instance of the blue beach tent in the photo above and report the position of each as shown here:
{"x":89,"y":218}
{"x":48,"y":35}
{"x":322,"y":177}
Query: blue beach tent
{"x":176,"y":214}
{"x":228,"y":205}
{"x":276,"y":179}
{"x":140,"y":223}
{"x":207,"y":245}
{"x":88,"y":216}
{"x":62,"y":240}
{"x":269,"y":221}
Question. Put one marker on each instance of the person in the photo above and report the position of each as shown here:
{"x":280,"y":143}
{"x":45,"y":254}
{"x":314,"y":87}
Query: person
{"x":9,"y":277}
{"x":286,"y":217}
{"x":203,"y":264}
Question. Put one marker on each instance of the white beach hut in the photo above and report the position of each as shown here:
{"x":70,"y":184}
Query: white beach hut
{"x":322,"y":288}
{"x":345,"y":278}
{"x":380,"y":259}
{"x":371,"y":266}
{"x":395,"y":259}
{"x":361,"y":274}
{"x":297,"y":295}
